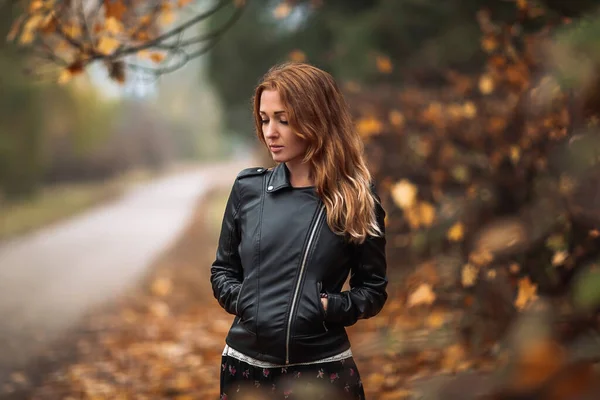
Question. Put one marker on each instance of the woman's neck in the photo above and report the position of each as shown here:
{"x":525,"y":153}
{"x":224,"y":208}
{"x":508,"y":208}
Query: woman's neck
{"x":300,"y":174}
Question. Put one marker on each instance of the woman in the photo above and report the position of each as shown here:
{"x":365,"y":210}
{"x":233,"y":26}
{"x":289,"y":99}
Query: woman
{"x":289,"y":239}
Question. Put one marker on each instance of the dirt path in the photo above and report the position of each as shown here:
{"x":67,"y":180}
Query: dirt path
{"x":51,"y":279}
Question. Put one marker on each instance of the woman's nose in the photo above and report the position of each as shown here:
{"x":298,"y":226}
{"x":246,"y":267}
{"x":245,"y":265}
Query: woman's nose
{"x":270,"y":130}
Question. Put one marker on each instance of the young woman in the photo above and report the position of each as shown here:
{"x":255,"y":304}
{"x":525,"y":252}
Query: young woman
{"x":289,"y":239}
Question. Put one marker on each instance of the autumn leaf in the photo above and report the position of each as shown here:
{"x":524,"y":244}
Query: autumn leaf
{"x":35,"y":5}
{"x":157,"y":57}
{"x":421,"y":214}
{"x":68,"y":73}
{"x":423,"y":295}
{"x":435,"y":319}
{"x":384,"y":64}
{"x":486,"y":84}
{"x":489,"y":43}
{"x":113,"y":26}
{"x":427,"y":213}
{"x":114,"y":9}
{"x":404,"y":193}
{"x":456,"y":232}
{"x":368,"y":126}
{"x":31,"y":25}
{"x":469,"y":275}
{"x":166,"y":17}
{"x":396,"y":118}
{"x":559,"y":257}
{"x":469,"y":110}
{"x":107,"y":45}
{"x":526,"y":294}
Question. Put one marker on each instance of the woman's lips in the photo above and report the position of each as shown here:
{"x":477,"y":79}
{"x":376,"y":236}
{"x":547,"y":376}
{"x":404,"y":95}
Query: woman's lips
{"x":276,"y":149}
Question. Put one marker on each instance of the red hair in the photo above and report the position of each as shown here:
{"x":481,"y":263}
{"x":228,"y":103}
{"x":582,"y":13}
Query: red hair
{"x":318,"y":113}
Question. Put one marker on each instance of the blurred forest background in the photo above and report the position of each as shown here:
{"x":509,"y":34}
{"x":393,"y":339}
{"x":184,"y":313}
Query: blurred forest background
{"x":481,"y":126}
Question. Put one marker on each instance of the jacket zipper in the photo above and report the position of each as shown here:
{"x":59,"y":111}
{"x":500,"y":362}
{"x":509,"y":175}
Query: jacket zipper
{"x":308,"y":246}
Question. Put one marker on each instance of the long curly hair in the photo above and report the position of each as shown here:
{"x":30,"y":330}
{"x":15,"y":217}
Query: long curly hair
{"x":318,"y":113}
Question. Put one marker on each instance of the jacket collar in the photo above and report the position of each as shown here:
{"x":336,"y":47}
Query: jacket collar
{"x":279,"y":179}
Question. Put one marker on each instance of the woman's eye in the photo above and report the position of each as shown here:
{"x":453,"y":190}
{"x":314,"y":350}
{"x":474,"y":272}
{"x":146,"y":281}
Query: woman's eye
{"x":284,"y":122}
{"x":264,"y":121}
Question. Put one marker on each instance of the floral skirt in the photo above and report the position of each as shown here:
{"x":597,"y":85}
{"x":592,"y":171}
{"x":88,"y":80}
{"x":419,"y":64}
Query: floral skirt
{"x":331,"y":380}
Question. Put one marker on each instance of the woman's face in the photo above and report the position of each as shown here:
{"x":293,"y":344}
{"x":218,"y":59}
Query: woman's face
{"x":285,"y":146}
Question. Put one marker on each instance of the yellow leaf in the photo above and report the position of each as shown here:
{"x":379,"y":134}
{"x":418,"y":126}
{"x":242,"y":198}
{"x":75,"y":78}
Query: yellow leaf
{"x":65,"y":76}
{"x":426,"y":213}
{"x":26,"y":37}
{"x":368,"y":126}
{"x":32,"y":24}
{"x":515,"y":154}
{"x":113,"y":26}
{"x":469,"y":275}
{"x":72,"y":31}
{"x":489,"y":43}
{"x":481,"y":257}
{"x":396,"y":118}
{"x":423,"y":295}
{"x":435,"y":320}
{"x":456,"y":232}
{"x":559,"y":257}
{"x":404,"y":193}
{"x":486,"y":84}
{"x":282,"y":10}
{"x":183,"y":3}
{"x":35,"y":5}
{"x":469,"y":110}
{"x":527,"y":293}
{"x":297,"y":56}
{"x":384,"y":64}
{"x":107,"y":45}
{"x":167,"y":17}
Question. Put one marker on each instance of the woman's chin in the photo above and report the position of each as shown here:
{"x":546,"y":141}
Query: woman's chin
{"x":278,"y":158}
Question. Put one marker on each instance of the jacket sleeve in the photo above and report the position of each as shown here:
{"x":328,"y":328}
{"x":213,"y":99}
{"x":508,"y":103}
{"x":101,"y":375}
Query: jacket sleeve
{"x":368,"y":280}
{"x":226,"y":273}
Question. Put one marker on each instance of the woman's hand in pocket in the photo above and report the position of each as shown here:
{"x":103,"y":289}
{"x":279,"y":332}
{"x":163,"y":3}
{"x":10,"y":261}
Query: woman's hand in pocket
{"x":324,"y":302}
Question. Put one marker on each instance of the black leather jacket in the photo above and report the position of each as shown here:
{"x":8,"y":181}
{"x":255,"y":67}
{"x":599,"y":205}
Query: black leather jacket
{"x":276,"y":254}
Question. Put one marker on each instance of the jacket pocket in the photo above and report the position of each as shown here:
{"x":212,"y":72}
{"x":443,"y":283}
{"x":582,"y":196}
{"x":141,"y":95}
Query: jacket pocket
{"x":320,"y":303}
{"x":239,"y":297}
